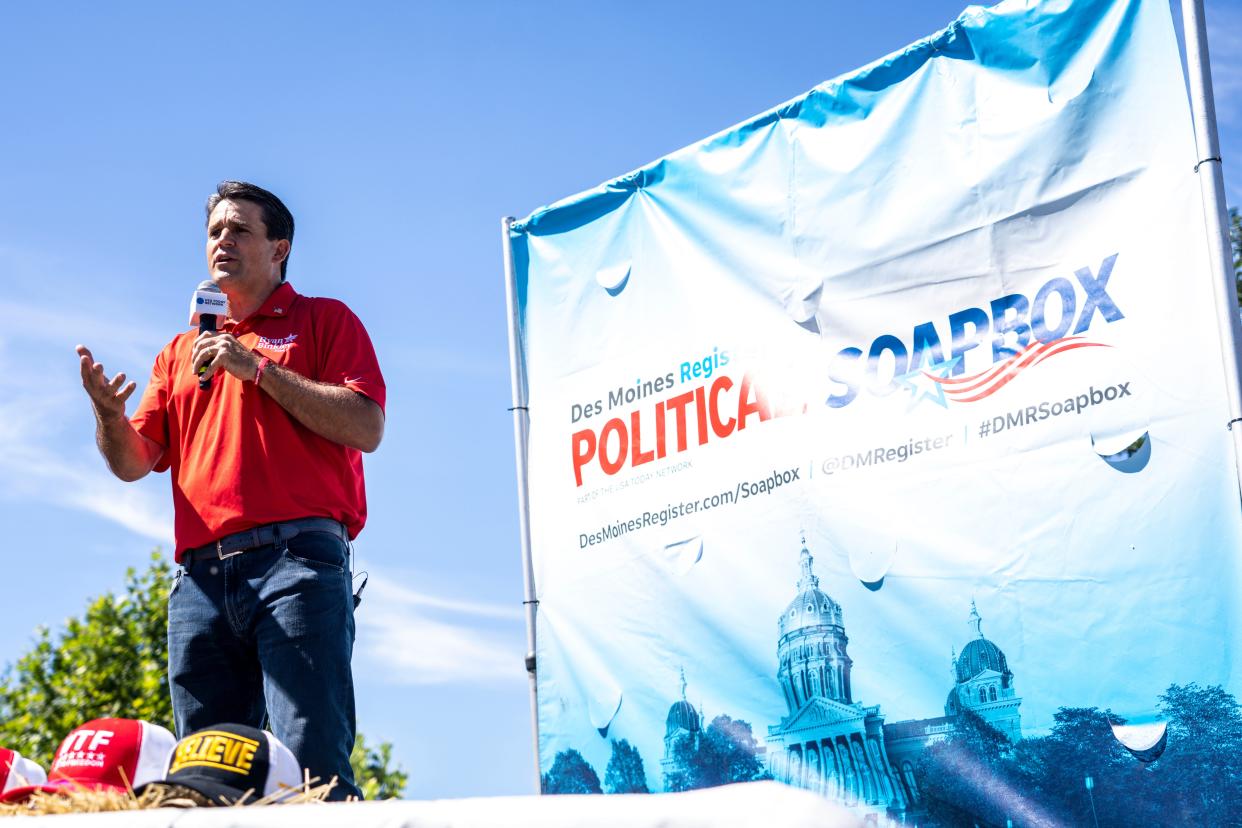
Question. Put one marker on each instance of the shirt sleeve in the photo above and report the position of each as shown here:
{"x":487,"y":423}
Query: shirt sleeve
{"x":151,"y":418}
{"x":346,"y":356}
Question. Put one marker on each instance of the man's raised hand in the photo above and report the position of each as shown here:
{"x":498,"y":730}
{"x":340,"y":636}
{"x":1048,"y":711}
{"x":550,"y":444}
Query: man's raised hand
{"x":108,"y":396}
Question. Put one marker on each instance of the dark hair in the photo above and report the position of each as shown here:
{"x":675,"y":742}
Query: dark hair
{"x":276,"y":215}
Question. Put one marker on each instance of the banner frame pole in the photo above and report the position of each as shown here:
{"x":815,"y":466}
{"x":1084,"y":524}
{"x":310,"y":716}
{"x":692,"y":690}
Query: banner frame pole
{"x":1210,"y":172}
{"x":521,"y":436}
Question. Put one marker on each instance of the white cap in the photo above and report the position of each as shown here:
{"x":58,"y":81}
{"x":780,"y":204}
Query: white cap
{"x":17,"y":771}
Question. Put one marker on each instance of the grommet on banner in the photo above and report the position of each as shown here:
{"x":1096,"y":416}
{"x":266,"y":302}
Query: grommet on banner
{"x":1215,"y":158}
{"x":1145,"y":742}
{"x":1229,"y":425}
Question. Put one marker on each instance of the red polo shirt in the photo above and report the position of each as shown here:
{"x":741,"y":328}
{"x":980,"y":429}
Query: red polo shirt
{"x":238,"y":459}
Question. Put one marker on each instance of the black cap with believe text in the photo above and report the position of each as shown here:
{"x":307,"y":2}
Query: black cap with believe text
{"x":232,"y":764}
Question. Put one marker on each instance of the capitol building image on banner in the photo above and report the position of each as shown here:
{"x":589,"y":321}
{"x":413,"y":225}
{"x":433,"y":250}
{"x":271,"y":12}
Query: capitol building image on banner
{"x":833,"y":744}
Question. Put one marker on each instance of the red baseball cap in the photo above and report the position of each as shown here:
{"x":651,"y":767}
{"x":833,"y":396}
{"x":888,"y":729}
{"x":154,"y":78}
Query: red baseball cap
{"x":16,"y":770}
{"x":105,"y":754}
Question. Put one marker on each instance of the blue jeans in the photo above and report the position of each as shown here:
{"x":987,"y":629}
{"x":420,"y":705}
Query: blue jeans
{"x":270,"y":632}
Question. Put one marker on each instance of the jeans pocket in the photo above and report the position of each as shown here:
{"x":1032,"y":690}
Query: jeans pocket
{"x":176,"y":584}
{"x":323,"y":551}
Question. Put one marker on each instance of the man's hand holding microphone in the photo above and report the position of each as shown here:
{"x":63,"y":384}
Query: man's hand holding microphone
{"x":213,"y":349}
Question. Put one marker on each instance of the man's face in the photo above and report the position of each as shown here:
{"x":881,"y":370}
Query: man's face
{"x":240,"y":256}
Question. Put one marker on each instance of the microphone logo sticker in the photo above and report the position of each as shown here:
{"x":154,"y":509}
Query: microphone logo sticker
{"x":211,"y":300}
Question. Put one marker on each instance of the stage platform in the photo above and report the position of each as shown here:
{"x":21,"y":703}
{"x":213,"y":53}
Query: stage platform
{"x":753,"y":805}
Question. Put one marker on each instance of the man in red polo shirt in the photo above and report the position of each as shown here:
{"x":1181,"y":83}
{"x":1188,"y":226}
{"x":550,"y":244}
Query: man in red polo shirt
{"x":267,"y":489}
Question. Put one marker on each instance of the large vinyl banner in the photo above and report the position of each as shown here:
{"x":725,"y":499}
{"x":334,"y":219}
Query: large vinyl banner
{"x":878,"y":444}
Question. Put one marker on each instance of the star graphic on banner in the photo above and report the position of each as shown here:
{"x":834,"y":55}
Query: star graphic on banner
{"x":921,"y":386}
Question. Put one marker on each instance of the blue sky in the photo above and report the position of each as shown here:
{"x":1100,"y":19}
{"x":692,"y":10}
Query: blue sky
{"x":398,"y":134}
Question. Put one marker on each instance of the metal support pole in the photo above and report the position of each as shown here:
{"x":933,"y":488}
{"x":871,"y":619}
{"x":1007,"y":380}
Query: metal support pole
{"x":1090,"y":783}
{"x":1215,"y":217}
{"x":521,"y":435}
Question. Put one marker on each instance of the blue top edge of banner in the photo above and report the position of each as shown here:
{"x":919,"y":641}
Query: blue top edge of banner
{"x":952,"y":41}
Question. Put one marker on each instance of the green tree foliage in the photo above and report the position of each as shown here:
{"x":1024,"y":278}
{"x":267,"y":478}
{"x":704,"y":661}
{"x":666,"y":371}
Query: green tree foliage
{"x":973,"y":778}
{"x":960,"y":778}
{"x":112,"y":662}
{"x":1235,"y":242}
{"x":1198,"y":780}
{"x":1053,"y":769}
{"x":678,"y":777}
{"x":375,"y":778}
{"x":725,"y":752}
{"x":571,"y":774}
{"x":625,"y":772}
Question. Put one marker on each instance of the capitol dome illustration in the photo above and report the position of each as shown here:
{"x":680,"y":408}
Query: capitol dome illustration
{"x":984,"y":683}
{"x":811,"y":649}
{"x":827,"y":743}
{"x":681,"y":716}
{"x":682,"y":725}
{"x":981,"y":654}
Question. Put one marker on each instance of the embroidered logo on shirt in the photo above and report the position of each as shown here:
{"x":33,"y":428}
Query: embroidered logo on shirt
{"x":282,"y":344}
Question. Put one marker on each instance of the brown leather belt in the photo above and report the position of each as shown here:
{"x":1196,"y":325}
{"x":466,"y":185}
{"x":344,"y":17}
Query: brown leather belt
{"x":239,"y":542}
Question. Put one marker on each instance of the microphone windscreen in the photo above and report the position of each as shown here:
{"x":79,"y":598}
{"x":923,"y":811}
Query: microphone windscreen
{"x":207,"y":299}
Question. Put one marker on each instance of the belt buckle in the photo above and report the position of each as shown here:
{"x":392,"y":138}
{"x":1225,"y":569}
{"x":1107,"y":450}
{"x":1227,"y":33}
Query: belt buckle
{"x":220,"y":554}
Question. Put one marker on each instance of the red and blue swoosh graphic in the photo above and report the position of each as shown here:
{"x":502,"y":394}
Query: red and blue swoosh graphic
{"x":986,"y":383}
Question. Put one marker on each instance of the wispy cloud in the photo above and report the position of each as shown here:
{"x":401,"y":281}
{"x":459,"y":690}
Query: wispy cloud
{"x":411,"y":637}
{"x":410,"y":597}
{"x":32,"y":471}
{"x":449,"y":361}
{"x":34,"y":324}
{"x":46,"y":456}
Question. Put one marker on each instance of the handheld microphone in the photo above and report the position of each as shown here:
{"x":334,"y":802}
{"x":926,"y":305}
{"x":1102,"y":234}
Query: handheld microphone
{"x":206,"y":306}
